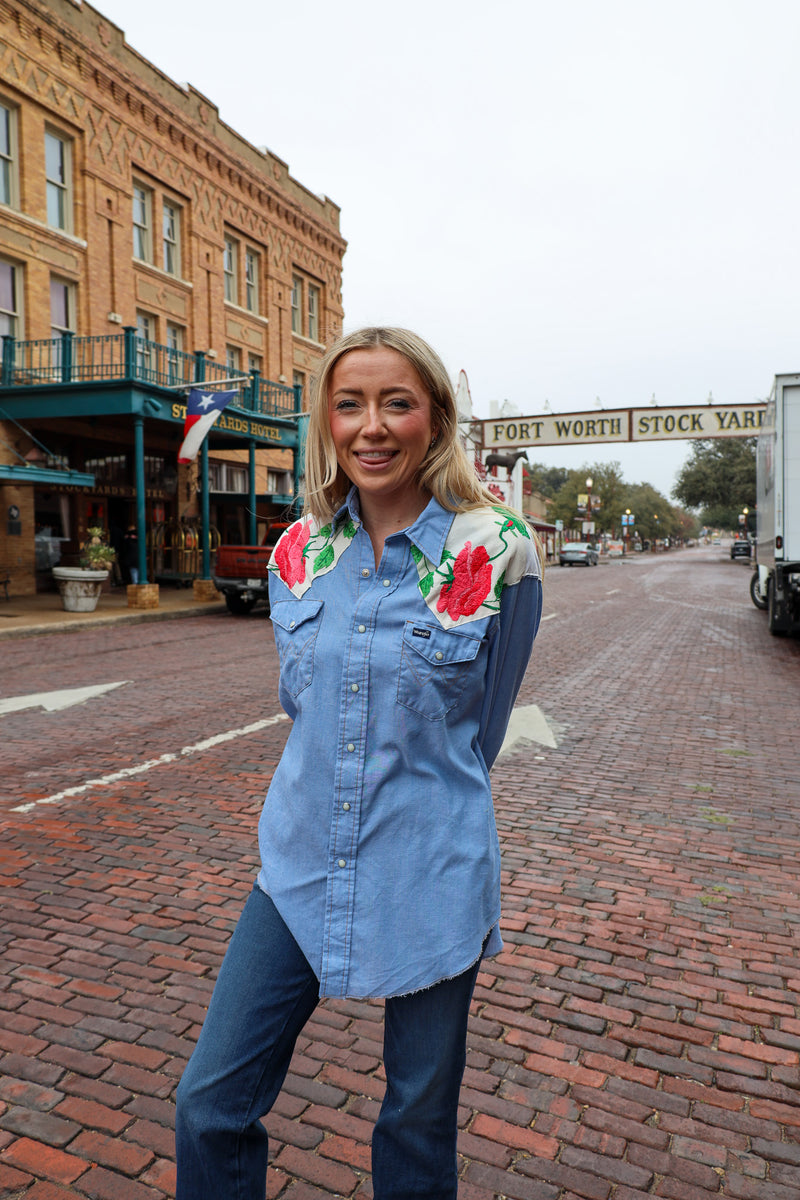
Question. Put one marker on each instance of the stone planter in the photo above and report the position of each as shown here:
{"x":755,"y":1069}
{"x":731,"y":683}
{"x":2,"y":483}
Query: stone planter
{"x":79,"y":587}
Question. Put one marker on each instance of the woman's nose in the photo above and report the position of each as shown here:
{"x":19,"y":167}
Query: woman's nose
{"x":373,"y":421}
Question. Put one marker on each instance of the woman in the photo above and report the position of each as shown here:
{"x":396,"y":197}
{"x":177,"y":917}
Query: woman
{"x":404,"y":605}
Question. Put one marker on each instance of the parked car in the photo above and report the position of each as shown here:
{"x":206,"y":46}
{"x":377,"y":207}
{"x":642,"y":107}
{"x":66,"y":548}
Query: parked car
{"x":741,"y":549}
{"x":577,"y":552}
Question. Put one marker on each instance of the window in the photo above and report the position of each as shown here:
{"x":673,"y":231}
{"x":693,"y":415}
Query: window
{"x":297,"y":315}
{"x":299,"y":380}
{"x":254,"y":363}
{"x":313,"y":312}
{"x":9,"y":299}
{"x":174,"y":349}
{"x":170,"y":238}
{"x":58,"y":171}
{"x":8,"y":131}
{"x":251,"y":260}
{"x":230,"y":269}
{"x":62,"y":308}
{"x":233,"y":360}
{"x":306,"y":307}
{"x":145,"y":336}
{"x":142,"y":222}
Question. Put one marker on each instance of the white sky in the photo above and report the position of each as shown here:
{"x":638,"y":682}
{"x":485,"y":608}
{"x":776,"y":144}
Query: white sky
{"x":569,"y":199}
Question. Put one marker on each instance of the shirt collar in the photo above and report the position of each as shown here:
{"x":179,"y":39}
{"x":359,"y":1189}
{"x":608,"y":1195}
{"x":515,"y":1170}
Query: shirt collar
{"x":428,"y":533}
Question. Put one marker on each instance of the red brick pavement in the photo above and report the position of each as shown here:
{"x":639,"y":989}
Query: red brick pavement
{"x":640,"y":1033}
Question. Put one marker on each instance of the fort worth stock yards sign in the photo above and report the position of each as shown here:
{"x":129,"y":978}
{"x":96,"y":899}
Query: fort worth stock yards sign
{"x":624,"y":425}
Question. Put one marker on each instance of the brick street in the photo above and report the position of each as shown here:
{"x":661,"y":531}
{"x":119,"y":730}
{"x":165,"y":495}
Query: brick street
{"x":640,"y":1033}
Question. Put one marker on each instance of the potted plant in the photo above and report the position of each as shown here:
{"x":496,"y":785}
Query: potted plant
{"x":80,"y":586}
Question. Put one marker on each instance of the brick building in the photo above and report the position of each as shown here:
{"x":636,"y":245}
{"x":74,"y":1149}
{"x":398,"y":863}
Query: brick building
{"x":143,"y":245}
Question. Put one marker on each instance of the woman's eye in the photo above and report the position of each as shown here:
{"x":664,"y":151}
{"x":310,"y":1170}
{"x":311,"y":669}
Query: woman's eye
{"x":398,"y":402}
{"x":343,"y":405}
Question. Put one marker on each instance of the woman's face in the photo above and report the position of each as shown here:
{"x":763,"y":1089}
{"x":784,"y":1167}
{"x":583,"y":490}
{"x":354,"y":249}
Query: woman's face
{"x":381,"y":422}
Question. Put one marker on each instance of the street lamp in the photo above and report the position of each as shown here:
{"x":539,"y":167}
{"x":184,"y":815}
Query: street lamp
{"x":588,"y":506}
{"x":745,"y":512}
{"x":627,"y":527}
{"x":655,"y":539}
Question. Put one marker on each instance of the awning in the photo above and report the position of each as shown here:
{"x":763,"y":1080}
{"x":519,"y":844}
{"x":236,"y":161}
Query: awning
{"x":43,"y":476}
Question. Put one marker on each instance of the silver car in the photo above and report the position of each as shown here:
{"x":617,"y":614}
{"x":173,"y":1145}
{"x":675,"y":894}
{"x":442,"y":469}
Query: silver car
{"x":577,"y":552}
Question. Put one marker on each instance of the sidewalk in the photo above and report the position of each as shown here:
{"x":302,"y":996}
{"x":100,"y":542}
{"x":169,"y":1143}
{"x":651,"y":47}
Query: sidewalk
{"x":42,"y":613}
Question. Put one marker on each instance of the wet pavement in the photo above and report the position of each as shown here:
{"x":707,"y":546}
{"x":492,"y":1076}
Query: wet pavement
{"x":638,"y":1036}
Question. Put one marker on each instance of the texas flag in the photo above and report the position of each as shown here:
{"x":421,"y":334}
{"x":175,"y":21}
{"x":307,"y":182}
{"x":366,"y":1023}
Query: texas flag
{"x":202,"y":410}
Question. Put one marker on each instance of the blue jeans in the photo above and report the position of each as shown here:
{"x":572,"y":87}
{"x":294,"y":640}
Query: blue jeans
{"x":265,"y":993}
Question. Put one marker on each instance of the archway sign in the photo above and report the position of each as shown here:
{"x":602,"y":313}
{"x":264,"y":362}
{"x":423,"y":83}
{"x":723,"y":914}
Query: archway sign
{"x":624,"y":425}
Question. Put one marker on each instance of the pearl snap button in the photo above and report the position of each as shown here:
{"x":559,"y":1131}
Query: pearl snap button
{"x":365,"y":572}
{"x":362,"y":629}
{"x":342,"y":863}
{"x":350,"y":747}
{"x":353,"y":687}
{"x":387,"y":583}
{"x":292,"y":624}
{"x":346,"y":806}
{"x":439,"y":656}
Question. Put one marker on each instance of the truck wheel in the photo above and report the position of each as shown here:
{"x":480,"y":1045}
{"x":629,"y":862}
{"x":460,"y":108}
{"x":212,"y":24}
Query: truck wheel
{"x":237,"y":605}
{"x":756,"y":595}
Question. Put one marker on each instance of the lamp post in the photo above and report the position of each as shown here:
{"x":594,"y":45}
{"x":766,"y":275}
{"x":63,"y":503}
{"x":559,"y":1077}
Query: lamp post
{"x":588,"y":506}
{"x":655,"y":539}
{"x":745,"y":512}
{"x":627,"y":527}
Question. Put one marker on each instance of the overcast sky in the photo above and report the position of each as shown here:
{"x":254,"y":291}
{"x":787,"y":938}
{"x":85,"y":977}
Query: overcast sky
{"x":570,"y":199}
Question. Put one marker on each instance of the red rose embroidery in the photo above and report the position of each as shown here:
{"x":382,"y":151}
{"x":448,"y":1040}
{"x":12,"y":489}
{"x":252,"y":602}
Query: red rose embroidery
{"x":472,"y":579}
{"x":289,"y":554}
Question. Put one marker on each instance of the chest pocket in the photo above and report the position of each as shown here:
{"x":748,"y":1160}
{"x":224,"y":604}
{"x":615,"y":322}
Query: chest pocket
{"x":434,"y":667}
{"x":296,"y":624}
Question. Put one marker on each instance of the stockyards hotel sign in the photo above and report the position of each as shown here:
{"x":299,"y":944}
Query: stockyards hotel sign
{"x":625,"y":425}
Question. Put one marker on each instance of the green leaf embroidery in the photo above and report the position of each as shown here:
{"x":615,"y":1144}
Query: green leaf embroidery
{"x":426,"y":583}
{"x":349,"y":529}
{"x":325,"y":532}
{"x":498,"y":587}
{"x":323,"y":559}
{"x":416,"y":554}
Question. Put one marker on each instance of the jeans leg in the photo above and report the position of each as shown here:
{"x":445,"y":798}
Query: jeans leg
{"x":265,"y":993}
{"x":425,"y":1051}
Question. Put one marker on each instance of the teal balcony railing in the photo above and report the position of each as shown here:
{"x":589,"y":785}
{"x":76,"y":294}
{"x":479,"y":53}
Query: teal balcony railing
{"x":126,"y":357}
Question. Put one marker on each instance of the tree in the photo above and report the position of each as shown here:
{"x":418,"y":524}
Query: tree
{"x":608,"y":490}
{"x":719,"y":479}
{"x":545,"y":480}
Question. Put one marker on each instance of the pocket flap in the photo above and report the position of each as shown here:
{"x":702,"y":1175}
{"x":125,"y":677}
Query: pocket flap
{"x":291,"y":614}
{"x":440,"y":646}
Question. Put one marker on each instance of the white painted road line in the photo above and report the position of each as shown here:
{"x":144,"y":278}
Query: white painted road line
{"x":528,"y":724}
{"x":55,"y":701}
{"x":128,"y":772}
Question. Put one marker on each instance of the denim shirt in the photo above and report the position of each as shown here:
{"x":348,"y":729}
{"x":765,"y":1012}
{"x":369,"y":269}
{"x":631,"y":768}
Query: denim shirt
{"x":377,"y":837}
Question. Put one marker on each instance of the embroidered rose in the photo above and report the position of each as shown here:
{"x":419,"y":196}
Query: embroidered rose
{"x":469,"y":587}
{"x":288,"y":554}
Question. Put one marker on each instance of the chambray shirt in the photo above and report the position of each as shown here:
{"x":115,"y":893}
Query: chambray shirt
{"x":377,"y":837}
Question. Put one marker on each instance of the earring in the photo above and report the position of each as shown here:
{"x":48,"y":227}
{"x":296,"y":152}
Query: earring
{"x":434,"y":440}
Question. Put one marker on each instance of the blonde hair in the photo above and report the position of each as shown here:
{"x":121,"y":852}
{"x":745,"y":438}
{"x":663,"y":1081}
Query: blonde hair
{"x":445,"y":472}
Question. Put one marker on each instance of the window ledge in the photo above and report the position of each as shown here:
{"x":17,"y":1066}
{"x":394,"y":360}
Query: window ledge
{"x":246,"y":312}
{"x":161,"y":273}
{"x":307,"y":341}
{"x":42,"y":225}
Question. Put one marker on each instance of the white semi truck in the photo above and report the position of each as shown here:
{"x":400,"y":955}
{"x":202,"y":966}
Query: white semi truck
{"x":775,"y":586}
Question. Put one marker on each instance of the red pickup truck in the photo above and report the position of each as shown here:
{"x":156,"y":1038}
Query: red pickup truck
{"x":240,"y":572}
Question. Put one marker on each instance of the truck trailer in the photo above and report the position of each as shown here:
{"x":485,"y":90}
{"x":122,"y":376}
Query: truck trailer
{"x":775,"y":585}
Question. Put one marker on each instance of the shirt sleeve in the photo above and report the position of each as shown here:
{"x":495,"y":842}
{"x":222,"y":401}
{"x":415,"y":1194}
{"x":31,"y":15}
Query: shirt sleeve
{"x":520,"y":612}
